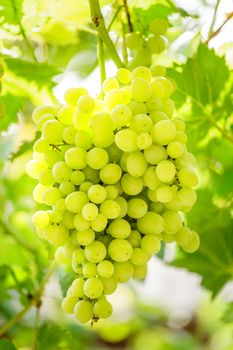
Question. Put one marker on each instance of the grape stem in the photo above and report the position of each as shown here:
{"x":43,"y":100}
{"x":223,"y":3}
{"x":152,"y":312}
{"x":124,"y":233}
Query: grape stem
{"x":34,"y":301}
{"x":98,"y":21}
{"x":101,"y":59}
{"x":128,"y":15}
{"x":217,"y":31}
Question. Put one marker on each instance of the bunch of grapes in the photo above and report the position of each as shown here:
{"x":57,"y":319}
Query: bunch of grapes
{"x":142,"y":48}
{"x":2,"y":106}
{"x":117,"y":177}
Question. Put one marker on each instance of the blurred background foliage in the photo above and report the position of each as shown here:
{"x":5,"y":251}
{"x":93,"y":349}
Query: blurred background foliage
{"x":49,"y":45}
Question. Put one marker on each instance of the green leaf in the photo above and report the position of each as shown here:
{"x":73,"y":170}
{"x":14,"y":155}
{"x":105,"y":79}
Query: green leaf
{"x":23,"y":148}
{"x":203,"y":77}
{"x":11,"y":11}
{"x":51,"y":336}
{"x":6,"y":344}
{"x":13,"y":104}
{"x":41,"y":73}
{"x":214,"y":259}
{"x":142,"y":18}
{"x":65,"y":279}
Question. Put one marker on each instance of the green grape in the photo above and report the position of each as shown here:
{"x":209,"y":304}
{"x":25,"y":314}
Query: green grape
{"x":168,"y":107}
{"x":114,"y":153}
{"x":150,"y":223}
{"x":41,"y":145}
{"x":83,"y":139}
{"x":72,"y":95}
{"x":140,"y":272}
{"x":80,"y":223}
{"x":141,"y":90}
{"x":35,"y":167}
{"x":110,"y":174}
{"x":97,"y":194}
{"x":163,"y":132}
{"x":157,"y":116}
{"x":134,"y":41}
{"x":193,"y":245}
{"x":60,"y":204}
{"x":134,"y":238}
{"x":110,"y":285}
{"x":51,"y":196}
{"x":69,"y":134}
{"x":186,"y":160}
{"x":77,"y":177}
{"x":139,"y":257}
{"x":102,"y":137}
{"x":97,"y":158}
{"x":136,"y":164}
{"x":158,"y":71}
{"x":68,"y":249}
{"x":141,"y":123}
{"x":123,"y":75}
{"x":155,"y":154}
{"x":180,"y":124}
{"x":158,"y":88}
{"x":68,"y":304}
{"x":175,"y":149}
{"x":154,"y":104}
{"x":68,"y":219}
{"x":164,"y":194}
{"x":138,"y":107}
{"x":172,"y":222}
{"x":46,"y":178}
{"x":137,"y":208}
{"x":81,"y":120}
{"x":56,"y":234}
{"x":126,"y":140}
{"x":119,"y":228}
{"x":66,"y":187}
{"x":41,"y":219}
{"x":141,"y":72}
{"x":38,"y":193}
{"x":85,"y":186}
{"x":102,"y":309}
{"x":123,"y":206}
{"x":121,"y":115}
{"x":143,"y":57}
{"x":123,"y":271}
{"x":110,"y":209}
{"x":95,"y":252}
{"x":156,"y":44}
{"x":183,"y":236}
{"x":61,"y":172}
{"x":77,"y":287}
{"x":60,"y":258}
{"x":89,"y":211}
{"x":65,"y":114}
{"x":165,"y":171}
{"x":186,"y":196}
{"x":83,"y":311}
{"x":89,"y":270}
{"x":86,"y":103}
{"x":167,"y":238}
{"x":99,"y":223}
{"x":112,"y":191}
{"x":52,"y":130}
{"x":144,"y":141}
{"x":91,"y":175}
{"x":78,"y":256}
{"x":43,"y":119}
{"x":110,"y":84}
{"x":167,"y":84}
{"x":51,"y":157}
{"x":85,"y":237}
{"x":151,"y":179}
{"x":75,"y":201}
{"x":187,"y":177}
{"x":158,"y":26}
{"x":131,"y":185}
{"x":56,"y":216}
{"x":150,"y":244}
{"x":41,"y":111}
{"x":105,"y":269}
{"x":126,"y":94}
{"x":75,"y":158}
{"x":93,"y":288}
{"x":120,"y":250}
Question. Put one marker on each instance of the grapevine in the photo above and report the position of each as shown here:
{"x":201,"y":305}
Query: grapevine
{"x":116,"y":176}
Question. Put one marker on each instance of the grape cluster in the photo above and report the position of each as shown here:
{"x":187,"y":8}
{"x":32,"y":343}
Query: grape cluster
{"x":142,"y":48}
{"x":2,"y":106}
{"x":118,"y":178}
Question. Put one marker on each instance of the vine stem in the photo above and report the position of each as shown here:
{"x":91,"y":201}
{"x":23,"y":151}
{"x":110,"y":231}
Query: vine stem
{"x":34,"y":301}
{"x":98,"y":21}
{"x":216,"y":32}
{"x":128,"y":15}
{"x":214,"y":17}
{"x":101,"y":60}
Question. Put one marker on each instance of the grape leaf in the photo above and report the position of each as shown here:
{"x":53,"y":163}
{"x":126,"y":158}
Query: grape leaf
{"x":11,"y":11}
{"x":50,"y":336}
{"x":12,"y":105}
{"x":6,"y":344}
{"x":202,"y":77}
{"x":41,"y":73}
